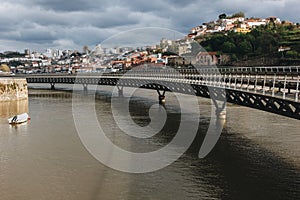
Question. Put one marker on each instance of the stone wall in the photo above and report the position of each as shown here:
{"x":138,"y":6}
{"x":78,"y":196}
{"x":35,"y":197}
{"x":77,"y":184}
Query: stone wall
{"x":13,"y":89}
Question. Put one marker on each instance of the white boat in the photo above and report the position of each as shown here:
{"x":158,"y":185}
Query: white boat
{"x":18,"y":119}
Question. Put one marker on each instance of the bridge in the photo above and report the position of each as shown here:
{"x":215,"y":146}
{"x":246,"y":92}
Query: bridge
{"x":271,"y":89}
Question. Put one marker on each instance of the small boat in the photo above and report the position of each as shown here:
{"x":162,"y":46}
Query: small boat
{"x":18,"y":119}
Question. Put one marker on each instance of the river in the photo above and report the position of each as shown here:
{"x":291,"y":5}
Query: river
{"x":256,"y":157}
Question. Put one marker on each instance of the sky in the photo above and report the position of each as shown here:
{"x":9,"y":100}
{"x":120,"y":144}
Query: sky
{"x":57,"y":24}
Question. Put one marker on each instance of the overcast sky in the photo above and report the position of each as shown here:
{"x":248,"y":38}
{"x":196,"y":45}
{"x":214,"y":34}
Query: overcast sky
{"x":42,"y":24}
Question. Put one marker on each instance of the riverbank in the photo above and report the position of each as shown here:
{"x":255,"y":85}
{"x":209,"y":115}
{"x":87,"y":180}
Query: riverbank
{"x":12,"y":89}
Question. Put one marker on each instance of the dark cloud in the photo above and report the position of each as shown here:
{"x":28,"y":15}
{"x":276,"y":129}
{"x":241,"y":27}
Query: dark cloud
{"x":45,"y":24}
{"x":58,"y":5}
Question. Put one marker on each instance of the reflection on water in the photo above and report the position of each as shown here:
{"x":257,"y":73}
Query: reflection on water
{"x":11,"y":108}
{"x":44,"y":159}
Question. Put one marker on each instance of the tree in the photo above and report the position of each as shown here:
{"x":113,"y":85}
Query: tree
{"x":239,"y":14}
{"x":222,"y":16}
{"x":292,"y":54}
{"x":234,"y":58}
{"x":4,"y":68}
{"x":245,"y":47}
{"x":228,"y":47}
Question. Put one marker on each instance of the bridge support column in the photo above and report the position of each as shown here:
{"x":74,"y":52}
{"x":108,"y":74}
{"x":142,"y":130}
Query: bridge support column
{"x":85,"y":88}
{"x":120,"y":91}
{"x":52,"y":86}
{"x":161,"y":97}
{"x":220,"y":108}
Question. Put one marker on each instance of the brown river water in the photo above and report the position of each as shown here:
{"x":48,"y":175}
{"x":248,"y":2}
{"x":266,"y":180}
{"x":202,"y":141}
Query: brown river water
{"x":256,"y":157}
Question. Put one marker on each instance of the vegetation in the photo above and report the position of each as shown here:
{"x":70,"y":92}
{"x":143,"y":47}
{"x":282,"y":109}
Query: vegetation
{"x":239,"y":14}
{"x":224,"y":16}
{"x":261,"y":41}
{"x":4,"y":68}
{"x":11,"y":54}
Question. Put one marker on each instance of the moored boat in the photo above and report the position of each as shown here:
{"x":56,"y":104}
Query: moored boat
{"x":18,"y":119}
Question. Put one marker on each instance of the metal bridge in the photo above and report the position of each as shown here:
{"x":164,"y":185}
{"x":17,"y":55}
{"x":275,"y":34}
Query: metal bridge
{"x":271,"y":89}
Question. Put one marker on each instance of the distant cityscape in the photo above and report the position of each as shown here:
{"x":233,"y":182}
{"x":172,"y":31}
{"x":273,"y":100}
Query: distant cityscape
{"x":178,"y":53}
{"x":99,"y":59}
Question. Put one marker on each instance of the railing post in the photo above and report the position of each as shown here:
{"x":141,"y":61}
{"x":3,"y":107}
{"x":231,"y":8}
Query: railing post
{"x":297,"y":91}
{"x":264,"y":85}
{"x":229,"y":81}
{"x":215,"y":80}
{"x":274,"y":82}
{"x":255,"y":84}
{"x":224,"y":81}
{"x":284,"y":87}
{"x":235,"y":79}
{"x":242,"y":81}
{"x":248,"y":82}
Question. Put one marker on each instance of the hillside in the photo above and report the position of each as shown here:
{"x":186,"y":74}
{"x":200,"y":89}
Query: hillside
{"x":271,"y":44}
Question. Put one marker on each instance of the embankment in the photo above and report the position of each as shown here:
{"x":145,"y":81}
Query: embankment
{"x":12,"y":89}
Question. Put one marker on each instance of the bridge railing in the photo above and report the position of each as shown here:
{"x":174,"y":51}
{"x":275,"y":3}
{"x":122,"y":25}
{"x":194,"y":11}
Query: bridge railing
{"x":285,"y":86}
{"x":281,"y":86}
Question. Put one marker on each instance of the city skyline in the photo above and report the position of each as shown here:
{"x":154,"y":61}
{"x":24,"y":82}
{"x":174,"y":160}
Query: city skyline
{"x":39,"y":25}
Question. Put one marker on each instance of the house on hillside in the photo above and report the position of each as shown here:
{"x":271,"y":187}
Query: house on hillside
{"x":255,"y":22}
{"x":274,"y":19}
{"x":207,"y":58}
{"x":242,"y":28}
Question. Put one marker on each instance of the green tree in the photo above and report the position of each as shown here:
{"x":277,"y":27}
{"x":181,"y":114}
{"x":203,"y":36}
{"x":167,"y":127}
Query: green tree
{"x":292,"y":54}
{"x":238,"y":14}
{"x":222,"y":16}
{"x":245,"y":47}
{"x":228,"y":47}
{"x":234,"y":58}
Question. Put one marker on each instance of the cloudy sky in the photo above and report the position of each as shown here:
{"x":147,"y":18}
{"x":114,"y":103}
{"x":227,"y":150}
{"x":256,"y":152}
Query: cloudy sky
{"x":42,"y":24}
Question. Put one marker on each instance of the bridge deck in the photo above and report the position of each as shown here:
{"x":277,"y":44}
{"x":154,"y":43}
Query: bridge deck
{"x":278,"y":93}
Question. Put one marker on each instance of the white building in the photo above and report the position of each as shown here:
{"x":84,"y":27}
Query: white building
{"x":254,"y":23}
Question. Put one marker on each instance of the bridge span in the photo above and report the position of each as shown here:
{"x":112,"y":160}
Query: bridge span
{"x":272,"y":90}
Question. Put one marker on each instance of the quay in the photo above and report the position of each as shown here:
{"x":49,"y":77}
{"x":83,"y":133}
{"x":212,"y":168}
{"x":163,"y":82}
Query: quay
{"x":12,"y":89}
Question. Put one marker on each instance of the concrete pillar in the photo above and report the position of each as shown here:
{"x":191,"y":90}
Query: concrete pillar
{"x":220,"y":108}
{"x":120,"y":91}
{"x":52,"y":86}
{"x":85,"y":88}
{"x":161,"y":97}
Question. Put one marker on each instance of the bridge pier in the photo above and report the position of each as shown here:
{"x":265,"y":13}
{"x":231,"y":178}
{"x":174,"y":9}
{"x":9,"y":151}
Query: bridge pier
{"x":52,"y":86}
{"x":120,"y":91}
{"x":85,"y":88}
{"x":161,"y":97}
{"x":220,"y":108}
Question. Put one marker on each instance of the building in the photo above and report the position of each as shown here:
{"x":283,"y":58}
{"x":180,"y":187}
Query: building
{"x":242,"y":28}
{"x":256,"y":22}
{"x":207,"y":58}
